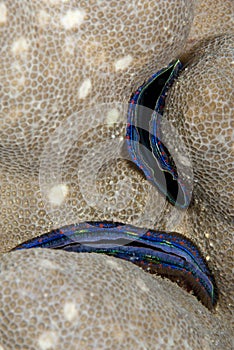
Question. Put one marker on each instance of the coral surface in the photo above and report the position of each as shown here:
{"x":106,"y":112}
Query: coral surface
{"x":67,"y":70}
{"x":70,"y":67}
{"x":88,"y":301}
{"x":211,"y":18}
{"x":203,"y":115}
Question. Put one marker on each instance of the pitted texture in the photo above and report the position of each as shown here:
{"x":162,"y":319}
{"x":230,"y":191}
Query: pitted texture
{"x":88,"y":301}
{"x":200,"y":104}
{"x":59,"y":59}
{"x":211,"y":18}
{"x":50,"y":73}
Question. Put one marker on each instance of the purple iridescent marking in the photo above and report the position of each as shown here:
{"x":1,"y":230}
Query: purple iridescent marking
{"x":143,"y":136}
{"x":168,"y":254}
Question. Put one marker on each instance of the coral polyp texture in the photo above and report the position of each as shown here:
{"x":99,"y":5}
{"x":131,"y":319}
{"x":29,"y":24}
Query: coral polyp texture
{"x":200,"y":104}
{"x":59,"y":60}
{"x":211,"y":18}
{"x":67,"y":71}
{"x":197,"y":104}
{"x":85,"y":301}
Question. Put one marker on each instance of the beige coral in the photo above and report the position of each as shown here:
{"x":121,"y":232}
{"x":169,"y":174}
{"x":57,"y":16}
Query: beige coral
{"x":211,"y":18}
{"x":59,"y":60}
{"x":88,"y":301}
{"x":200,"y":105}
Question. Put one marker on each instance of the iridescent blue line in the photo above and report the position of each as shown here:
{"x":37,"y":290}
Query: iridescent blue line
{"x":168,"y":254}
{"x":143,"y":135}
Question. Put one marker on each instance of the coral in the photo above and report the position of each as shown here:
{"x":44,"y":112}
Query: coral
{"x":200,"y":105}
{"x":86,"y":301}
{"x":67,"y":70}
{"x":58,"y":60}
{"x":58,"y":57}
{"x":211,"y":19}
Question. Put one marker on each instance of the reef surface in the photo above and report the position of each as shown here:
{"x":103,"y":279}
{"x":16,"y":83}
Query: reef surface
{"x":67,"y":71}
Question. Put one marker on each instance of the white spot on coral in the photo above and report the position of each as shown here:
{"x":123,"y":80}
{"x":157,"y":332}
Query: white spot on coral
{"x":123,"y":63}
{"x":19,"y":80}
{"x":3,"y":13}
{"x":1,"y":347}
{"x":70,"y":311}
{"x":221,"y":139}
{"x":141,"y":284}
{"x":19,"y":46}
{"x":119,"y":333}
{"x":114,"y":264}
{"x":70,"y":45}
{"x":48,"y":264}
{"x":55,"y":2}
{"x":43,"y":18}
{"x":85,"y":88}
{"x":73,"y":19}
{"x":48,"y":340}
{"x":184,"y":160}
{"x":113,"y":116}
{"x":57,"y":194}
